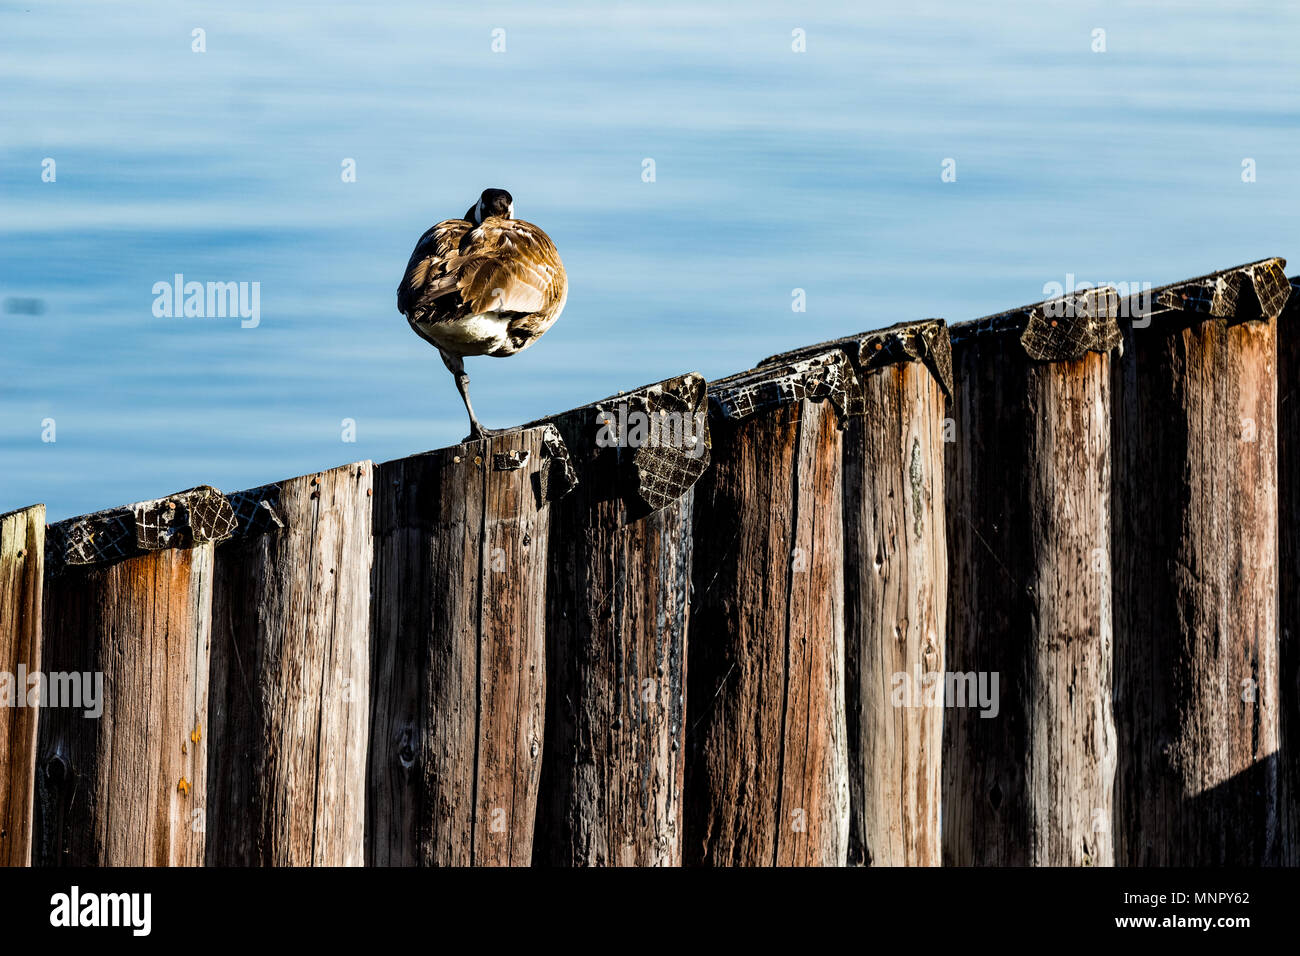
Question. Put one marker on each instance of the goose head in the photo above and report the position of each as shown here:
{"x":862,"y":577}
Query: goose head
{"x":493,"y":202}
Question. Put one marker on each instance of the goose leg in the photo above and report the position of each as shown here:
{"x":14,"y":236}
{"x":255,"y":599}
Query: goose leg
{"x":456,"y":365}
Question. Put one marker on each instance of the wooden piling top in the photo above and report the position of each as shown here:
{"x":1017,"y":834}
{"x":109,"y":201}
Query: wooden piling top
{"x":923,"y":340}
{"x":657,"y":473}
{"x":819,"y":377}
{"x":18,"y":511}
{"x":258,"y":510}
{"x":553,"y":479}
{"x":1055,"y":330}
{"x":182,"y":520}
{"x":1256,"y":291}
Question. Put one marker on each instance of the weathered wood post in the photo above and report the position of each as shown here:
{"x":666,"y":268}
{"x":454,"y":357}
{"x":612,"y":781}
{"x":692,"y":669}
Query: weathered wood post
{"x":618,"y":598}
{"x":22,"y":573}
{"x":122,"y":753}
{"x":458,"y":691}
{"x":1029,"y":739}
{"x":767,"y":780}
{"x":1196,"y":537}
{"x":289,"y":696}
{"x":895,"y":589}
{"x":1288,"y":455}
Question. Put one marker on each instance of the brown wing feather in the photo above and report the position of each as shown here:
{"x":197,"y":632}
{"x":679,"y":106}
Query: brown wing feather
{"x":503,"y":265}
{"x":428,"y":275}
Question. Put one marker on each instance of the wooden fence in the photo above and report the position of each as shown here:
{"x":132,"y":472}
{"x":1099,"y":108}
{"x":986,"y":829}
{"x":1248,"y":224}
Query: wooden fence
{"x":1024,"y":590}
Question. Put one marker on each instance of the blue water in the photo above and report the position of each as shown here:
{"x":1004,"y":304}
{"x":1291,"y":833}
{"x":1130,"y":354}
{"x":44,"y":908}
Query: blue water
{"x":774,"y":171}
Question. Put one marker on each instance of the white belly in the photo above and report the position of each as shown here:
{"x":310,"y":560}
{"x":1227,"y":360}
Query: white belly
{"x":474,"y":335}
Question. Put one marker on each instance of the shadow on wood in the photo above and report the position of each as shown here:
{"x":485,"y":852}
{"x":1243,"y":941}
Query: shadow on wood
{"x":1196,"y":614}
{"x":1288,"y":456}
{"x":1029,"y":769}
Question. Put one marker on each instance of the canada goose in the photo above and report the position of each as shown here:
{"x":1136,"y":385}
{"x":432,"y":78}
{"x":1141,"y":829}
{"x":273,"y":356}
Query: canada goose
{"x":488,"y":284}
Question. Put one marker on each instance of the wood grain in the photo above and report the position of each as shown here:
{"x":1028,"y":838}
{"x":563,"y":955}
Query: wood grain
{"x":767,"y":782}
{"x":22,"y":571}
{"x":1288,"y":455}
{"x":128,"y":788}
{"x":618,"y":601}
{"x":290,"y":676}
{"x":1196,"y":593}
{"x":896,"y":598}
{"x":1028,"y":487}
{"x":459,"y":597}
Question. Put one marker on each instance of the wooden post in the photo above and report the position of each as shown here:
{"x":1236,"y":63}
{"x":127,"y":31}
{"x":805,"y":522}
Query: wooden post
{"x":127,"y":624}
{"x":22,"y":571}
{"x":767,"y":780}
{"x":1288,"y":458}
{"x":618,"y":598}
{"x":289,"y":691}
{"x":1196,"y":614}
{"x":459,"y":597}
{"x":896,"y":588}
{"x":1029,"y":738}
